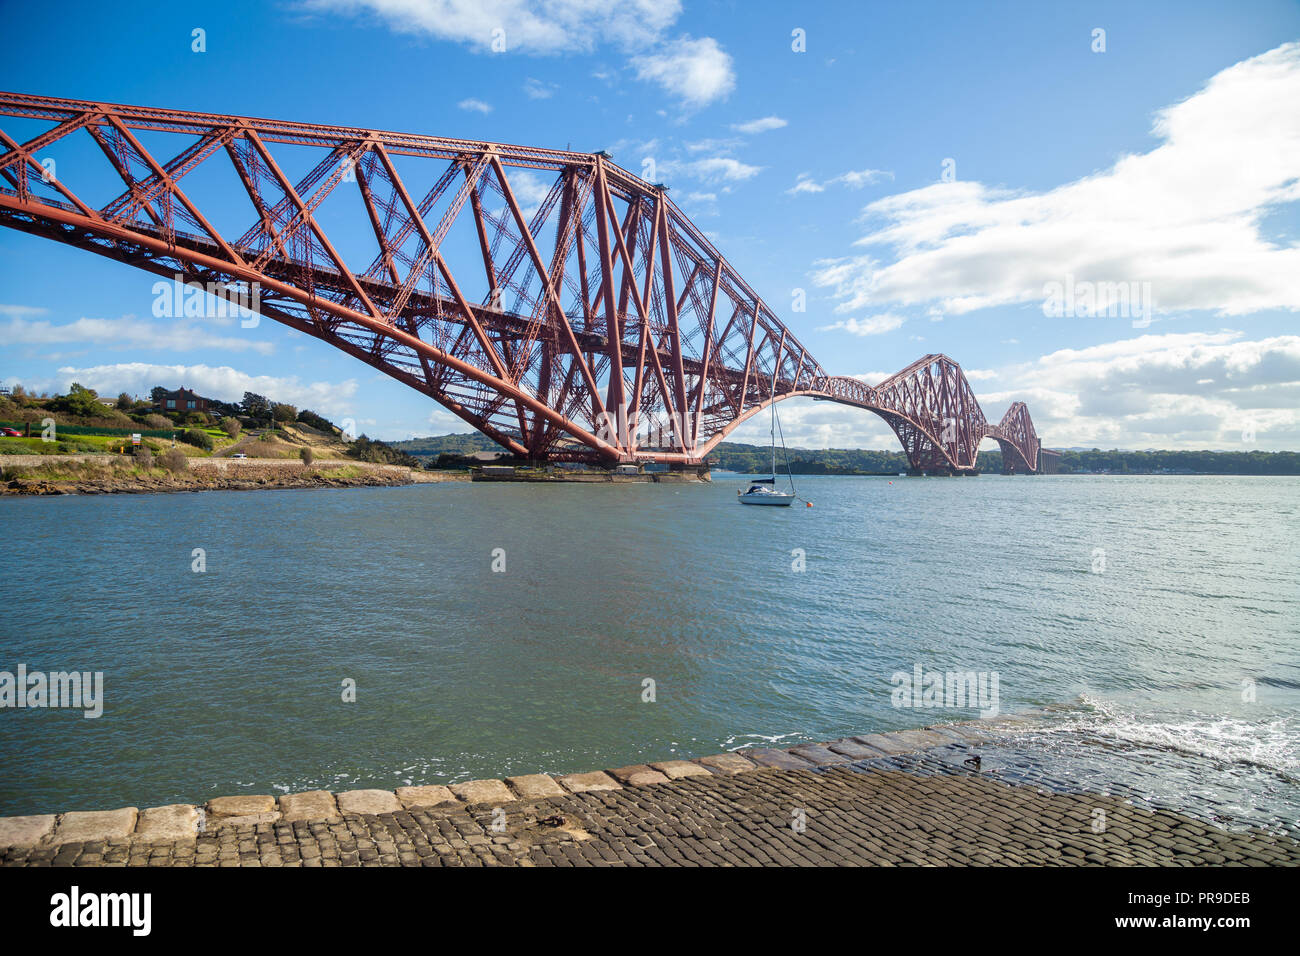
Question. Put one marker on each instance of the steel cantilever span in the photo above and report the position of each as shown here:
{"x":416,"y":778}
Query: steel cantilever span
{"x":552,"y":300}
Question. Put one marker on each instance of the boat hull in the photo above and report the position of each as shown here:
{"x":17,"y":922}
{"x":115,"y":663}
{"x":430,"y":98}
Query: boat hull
{"x":777,"y":501}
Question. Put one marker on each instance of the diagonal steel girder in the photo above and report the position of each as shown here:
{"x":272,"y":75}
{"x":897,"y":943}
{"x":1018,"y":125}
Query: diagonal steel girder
{"x":587,"y":319}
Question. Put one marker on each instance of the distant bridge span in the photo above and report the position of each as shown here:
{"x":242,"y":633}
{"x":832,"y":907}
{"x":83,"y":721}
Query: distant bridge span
{"x":572,"y":314}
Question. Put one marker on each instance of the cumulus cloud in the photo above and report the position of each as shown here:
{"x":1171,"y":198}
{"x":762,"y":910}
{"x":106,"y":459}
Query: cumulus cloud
{"x":127,"y":332}
{"x":221,"y":382}
{"x":876,"y":325}
{"x":718,"y":169}
{"x":537,"y":90}
{"x":759,"y":125}
{"x":1195,"y":390}
{"x":475,"y":106}
{"x":1186,"y":216}
{"x":528,"y":26}
{"x":809,"y":424}
{"x":22,"y":310}
{"x":697,"y":72}
{"x":1184,"y":390}
{"x":853,"y":179}
{"x":529,"y":189}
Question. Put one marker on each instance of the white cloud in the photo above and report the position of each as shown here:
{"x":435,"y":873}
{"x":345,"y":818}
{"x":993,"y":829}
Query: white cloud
{"x":853,"y":179}
{"x":528,"y":26}
{"x":857,"y":178}
{"x":809,"y":424}
{"x":696,"y":71}
{"x":1184,"y":390}
{"x":538,"y":90}
{"x":1185,"y":216}
{"x":475,"y":106}
{"x":876,"y":325}
{"x":761,"y":125}
{"x":221,"y":382}
{"x":712,"y":145}
{"x":128,"y":332}
{"x":529,"y":189}
{"x":20,"y":311}
{"x":804,"y":183}
{"x":718,"y":169}
{"x":1179,"y":391}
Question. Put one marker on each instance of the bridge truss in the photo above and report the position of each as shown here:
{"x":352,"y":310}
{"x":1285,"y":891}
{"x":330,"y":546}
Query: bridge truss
{"x":552,"y":300}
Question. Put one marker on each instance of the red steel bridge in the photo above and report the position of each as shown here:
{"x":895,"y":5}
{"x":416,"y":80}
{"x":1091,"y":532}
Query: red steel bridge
{"x":554,"y":301}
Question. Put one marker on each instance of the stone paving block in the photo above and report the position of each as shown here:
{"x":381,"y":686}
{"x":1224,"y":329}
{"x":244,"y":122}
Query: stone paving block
{"x":25,"y":831}
{"x":948,"y":733}
{"x":431,"y":795}
{"x":368,"y":802}
{"x":244,"y":820}
{"x":220,"y":808}
{"x":484,"y":791}
{"x":819,"y":754}
{"x":921,"y":739}
{"x":884,"y":743}
{"x":771,"y":757}
{"x":308,"y":805}
{"x":176,"y":821}
{"x":854,"y":750}
{"x":727,"y":763}
{"x":678,"y":769}
{"x":970,"y":732}
{"x":597,"y":780}
{"x":91,"y":825}
{"x":535,"y":786}
{"x":637,"y":775}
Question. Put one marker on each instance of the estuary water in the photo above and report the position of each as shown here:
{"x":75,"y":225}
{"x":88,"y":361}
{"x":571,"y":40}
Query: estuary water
{"x":1158,"y":617}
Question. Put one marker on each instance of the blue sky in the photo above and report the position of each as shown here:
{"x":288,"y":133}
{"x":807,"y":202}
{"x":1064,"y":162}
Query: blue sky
{"x":923,"y":172}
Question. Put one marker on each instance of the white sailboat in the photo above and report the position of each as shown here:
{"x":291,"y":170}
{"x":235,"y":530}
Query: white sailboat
{"x":762,"y":491}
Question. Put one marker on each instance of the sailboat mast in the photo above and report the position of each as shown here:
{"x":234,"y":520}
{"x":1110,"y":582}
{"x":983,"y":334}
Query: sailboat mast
{"x":774,"y":440}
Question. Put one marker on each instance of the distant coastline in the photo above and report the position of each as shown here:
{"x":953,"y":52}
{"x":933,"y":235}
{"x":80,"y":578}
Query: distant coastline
{"x":756,"y":459}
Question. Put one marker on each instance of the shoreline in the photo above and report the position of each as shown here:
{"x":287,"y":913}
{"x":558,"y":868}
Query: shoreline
{"x":910,"y":797}
{"x":52,"y":475}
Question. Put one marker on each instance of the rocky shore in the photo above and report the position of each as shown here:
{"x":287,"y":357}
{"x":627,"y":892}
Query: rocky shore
{"x":98,"y":475}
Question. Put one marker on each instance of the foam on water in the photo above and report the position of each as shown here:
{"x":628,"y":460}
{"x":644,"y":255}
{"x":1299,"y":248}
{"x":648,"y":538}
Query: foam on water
{"x":1232,"y":769}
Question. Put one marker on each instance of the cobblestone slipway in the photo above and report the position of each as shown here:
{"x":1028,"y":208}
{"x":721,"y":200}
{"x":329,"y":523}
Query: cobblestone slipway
{"x":885,"y":800}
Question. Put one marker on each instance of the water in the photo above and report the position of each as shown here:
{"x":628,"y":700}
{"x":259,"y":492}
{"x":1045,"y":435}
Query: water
{"x":231,"y":680}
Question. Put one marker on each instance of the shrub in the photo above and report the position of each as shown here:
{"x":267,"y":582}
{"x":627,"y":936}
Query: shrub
{"x":318,"y":422}
{"x":367,"y":449}
{"x":199,"y":439}
{"x":156,"y":422}
{"x":143,"y":456}
{"x":231,"y":427}
{"x":266,"y":436}
{"x":173,"y":459}
{"x":307,"y":455}
{"x":284,"y":413}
